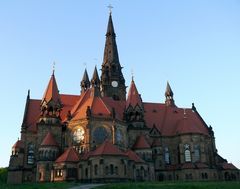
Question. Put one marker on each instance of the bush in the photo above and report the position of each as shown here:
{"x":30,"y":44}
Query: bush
{"x":3,"y":175}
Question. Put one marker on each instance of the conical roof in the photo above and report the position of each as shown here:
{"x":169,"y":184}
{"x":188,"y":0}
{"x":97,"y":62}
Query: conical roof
{"x":133,"y":96}
{"x":95,"y":78}
{"x":18,"y":144}
{"x":168,"y":92}
{"x":51,"y":92}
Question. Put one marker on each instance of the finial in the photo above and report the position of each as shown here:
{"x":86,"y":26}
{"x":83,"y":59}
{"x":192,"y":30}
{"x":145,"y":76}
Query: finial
{"x":110,"y":7}
{"x":85,"y":65}
{"x":193,"y":107}
{"x":28,"y":95}
{"x":54,"y":67}
{"x":132,"y":73}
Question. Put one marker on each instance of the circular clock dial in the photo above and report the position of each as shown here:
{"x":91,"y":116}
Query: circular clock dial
{"x":114,"y":83}
{"x":78,"y":135}
{"x":100,"y":134}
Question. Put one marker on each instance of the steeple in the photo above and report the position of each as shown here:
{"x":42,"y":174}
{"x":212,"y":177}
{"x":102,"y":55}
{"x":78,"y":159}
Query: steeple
{"x":51,"y":102}
{"x":112,"y":80}
{"x":85,"y":83}
{"x":169,"y":96}
{"x":95,"y":83}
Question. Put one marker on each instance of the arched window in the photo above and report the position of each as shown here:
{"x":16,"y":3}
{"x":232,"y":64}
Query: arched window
{"x":106,"y":170}
{"x":30,"y":156}
{"x":86,"y":172}
{"x":100,"y":135}
{"x":166,"y":155}
{"x":96,"y":169}
{"x":187,"y":153}
{"x":196,"y":153}
{"x":116,"y":170}
{"x":111,"y":169}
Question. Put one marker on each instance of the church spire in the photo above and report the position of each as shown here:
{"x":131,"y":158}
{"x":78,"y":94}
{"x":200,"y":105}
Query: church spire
{"x":112,"y":80}
{"x":169,"y":96}
{"x":85,"y":83}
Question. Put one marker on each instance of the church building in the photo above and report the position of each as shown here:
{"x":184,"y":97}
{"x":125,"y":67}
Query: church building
{"x":107,"y":133}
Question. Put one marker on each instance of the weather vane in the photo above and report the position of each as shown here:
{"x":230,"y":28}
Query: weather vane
{"x":110,"y":7}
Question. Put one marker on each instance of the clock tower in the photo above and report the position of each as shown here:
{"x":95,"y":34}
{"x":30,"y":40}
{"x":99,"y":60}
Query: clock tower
{"x":112,"y":80}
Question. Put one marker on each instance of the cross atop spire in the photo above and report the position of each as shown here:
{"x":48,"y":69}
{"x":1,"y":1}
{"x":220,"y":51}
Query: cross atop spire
{"x":110,"y":7}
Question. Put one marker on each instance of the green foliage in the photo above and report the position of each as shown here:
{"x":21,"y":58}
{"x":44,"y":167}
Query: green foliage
{"x":3,"y":175}
{"x":173,"y":185}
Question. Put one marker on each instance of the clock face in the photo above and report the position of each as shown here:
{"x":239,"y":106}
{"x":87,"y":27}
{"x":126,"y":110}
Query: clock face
{"x":100,"y":135}
{"x":114,"y":83}
{"x":78,"y":135}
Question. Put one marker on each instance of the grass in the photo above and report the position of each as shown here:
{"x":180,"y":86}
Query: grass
{"x":173,"y":185}
{"x":58,"y":185}
{"x":62,"y":185}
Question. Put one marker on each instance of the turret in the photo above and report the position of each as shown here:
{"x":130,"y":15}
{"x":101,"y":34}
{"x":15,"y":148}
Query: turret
{"x":95,"y":83}
{"x":85,"y":83}
{"x":51,"y":104}
{"x":169,"y":96}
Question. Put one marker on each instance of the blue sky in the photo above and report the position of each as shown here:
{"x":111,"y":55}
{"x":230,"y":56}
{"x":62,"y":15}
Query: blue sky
{"x":195,"y":45}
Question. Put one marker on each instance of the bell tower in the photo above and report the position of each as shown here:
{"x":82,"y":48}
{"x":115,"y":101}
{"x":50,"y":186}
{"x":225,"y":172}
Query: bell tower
{"x":112,"y":80}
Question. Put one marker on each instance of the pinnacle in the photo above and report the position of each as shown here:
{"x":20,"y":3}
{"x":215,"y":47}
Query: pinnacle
{"x":168,"y":92}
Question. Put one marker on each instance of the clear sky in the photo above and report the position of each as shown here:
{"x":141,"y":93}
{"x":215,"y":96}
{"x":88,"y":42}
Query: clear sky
{"x":195,"y":45}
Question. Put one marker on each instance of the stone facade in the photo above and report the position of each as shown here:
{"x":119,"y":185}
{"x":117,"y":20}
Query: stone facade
{"x":103,"y":136}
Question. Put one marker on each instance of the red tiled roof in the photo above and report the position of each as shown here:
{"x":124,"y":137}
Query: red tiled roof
{"x":49,"y":140}
{"x":70,"y":155}
{"x":18,"y":144}
{"x":170,"y":120}
{"x":133,"y":156}
{"x":133,"y":96}
{"x":34,"y":112}
{"x":107,"y":148}
{"x":201,"y":165}
{"x":187,"y":166}
{"x":51,"y":92}
{"x":228,"y":166}
{"x":141,"y":143}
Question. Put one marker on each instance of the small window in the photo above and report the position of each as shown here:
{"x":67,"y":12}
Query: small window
{"x":187,"y":153}
{"x":196,"y":153}
{"x":166,"y":155}
{"x":106,"y":170}
{"x":116,"y":170}
{"x":96,"y":169}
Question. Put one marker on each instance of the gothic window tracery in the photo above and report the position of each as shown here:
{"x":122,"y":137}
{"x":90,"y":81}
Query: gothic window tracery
{"x":187,"y":153}
{"x":100,"y":135}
